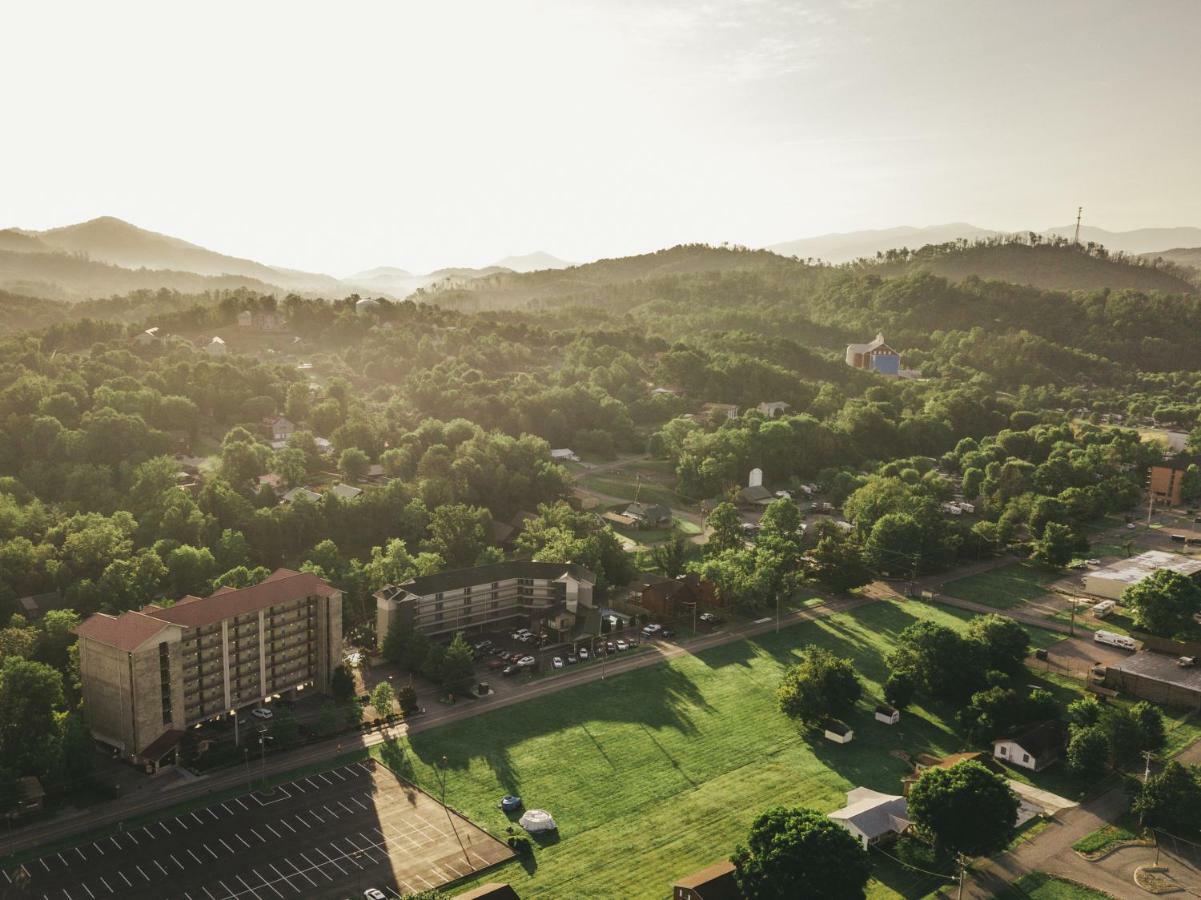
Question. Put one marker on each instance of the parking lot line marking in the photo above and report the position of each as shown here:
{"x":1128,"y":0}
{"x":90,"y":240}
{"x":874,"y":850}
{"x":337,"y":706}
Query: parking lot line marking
{"x":7,"y":877}
{"x":272,"y":830}
{"x":316,"y":868}
{"x":231,"y":893}
{"x":227,"y":809}
{"x":298,"y":871}
{"x":303,"y":822}
{"x":257,"y":835}
{"x":174,"y":860}
{"x":163,"y":825}
{"x":98,"y":847}
{"x":313,"y":813}
{"x":287,"y":826}
{"x":136,"y":842}
{"x":358,"y":804}
{"x":341,"y":777}
{"x":296,"y":785}
{"x":321,"y":775}
{"x":64,"y":860}
{"x":106,"y":884}
{"x":334,"y":863}
{"x":26,"y":871}
{"x":241,"y":804}
{"x":144,"y":875}
{"x":160,"y":866}
{"x":309,"y":782}
{"x":206,"y":890}
{"x":81,"y":856}
{"x":44,"y":865}
{"x":221,"y":840}
{"x":195,"y":857}
{"x":210,"y":850}
{"x":124,"y":878}
{"x":267,"y":883}
{"x":345,"y":807}
{"x":328,"y":810}
{"x":209,"y":810}
{"x":88,"y":889}
{"x":285,"y":878}
{"x":245,"y":843}
{"x":68,"y":895}
{"x":199,"y":821}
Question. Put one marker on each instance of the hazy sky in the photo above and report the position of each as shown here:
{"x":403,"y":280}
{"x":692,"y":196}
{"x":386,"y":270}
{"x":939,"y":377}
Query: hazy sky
{"x":339,"y":136}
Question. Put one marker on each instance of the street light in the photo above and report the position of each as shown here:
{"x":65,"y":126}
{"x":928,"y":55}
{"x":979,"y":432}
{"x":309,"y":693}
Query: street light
{"x":438,"y":766}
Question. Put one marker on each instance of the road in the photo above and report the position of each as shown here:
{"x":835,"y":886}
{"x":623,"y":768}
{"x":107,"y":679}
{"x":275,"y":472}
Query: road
{"x":109,"y":814}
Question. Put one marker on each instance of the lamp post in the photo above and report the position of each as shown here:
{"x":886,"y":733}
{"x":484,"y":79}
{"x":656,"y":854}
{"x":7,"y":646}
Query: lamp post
{"x":438,"y":766}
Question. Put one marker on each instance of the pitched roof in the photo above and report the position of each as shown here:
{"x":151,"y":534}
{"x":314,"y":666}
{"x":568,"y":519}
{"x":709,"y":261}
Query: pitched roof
{"x":648,"y":510}
{"x":1037,"y":739}
{"x":461,"y":578}
{"x":873,"y":813}
{"x":281,"y":586}
{"x":127,"y":631}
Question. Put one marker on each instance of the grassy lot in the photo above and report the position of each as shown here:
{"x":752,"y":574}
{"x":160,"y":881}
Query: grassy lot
{"x":620,"y":484}
{"x":659,"y":772}
{"x":1041,"y":886}
{"x":1107,"y":835}
{"x":1003,"y":588}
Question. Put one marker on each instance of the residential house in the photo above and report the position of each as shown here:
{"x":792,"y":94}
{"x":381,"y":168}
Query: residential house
{"x":755,"y":495}
{"x":872,"y":817}
{"x":345,"y":491}
{"x":1167,"y":478}
{"x":149,"y":675}
{"x":215,"y":347}
{"x":271,"y":480}
{"x":874,"y":356}
{"x":278,"y":428}
{"x":376,"y":474}
{"x":34,"y":606}
{"x":564,"y":454}
{"x":675,"y":598}
{"x":298,"y":493}
{"x":717,"y":411}
{"x":666,"y":392}
{"x":649,"y":515}
{"x":715,"y":882}
{"x":774,"y":408}
{"x":481,"y":597}
{"x":1034,"y":748}
{"x":927,"y":761}
{"x":147,"y":337}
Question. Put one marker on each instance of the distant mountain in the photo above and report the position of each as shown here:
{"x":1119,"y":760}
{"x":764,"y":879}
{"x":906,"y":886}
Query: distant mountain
{"x":532,"y":262}
{"x":1182,"y":256}
{"x":17,"y":241}
{"x":400,"y":283}
{"x":113,"y":241}
{"x":847,"y":246}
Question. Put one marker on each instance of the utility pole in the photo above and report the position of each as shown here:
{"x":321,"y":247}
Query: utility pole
{"x":449,"y":818}
{"x":1079,"y":213}
{"x":962,"y":869}
{"x":1147,"y":768}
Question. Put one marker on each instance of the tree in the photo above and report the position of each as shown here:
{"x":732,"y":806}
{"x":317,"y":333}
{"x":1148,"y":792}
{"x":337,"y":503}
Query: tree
{"x":899,"y":689}
{"x":1088,"y":751}
{"x":382,"y":698}
{"x":965,"y":809}
{"x":817,"y":687}
{"x":327,"y":719}
{"x":1057,"y":545}
{"x":31,"y":693}
{"x":1124,"y":734}
{"x":1150,"y":725}
{"x":1163,"y":603}
{"x":458,"y":534}
{"x":725,"y":529}
{"x":353,"y":464}
{"x":941,"y":661}
{"x":285,"y":730}
{"x":837,"y":563}
{"x":1004,"y":644}
{"x":341,"y":684}
{"x":458,"y":670}
{"x":671,"y":555}
{"x":406,"y":698}
{"x":58,"y":634}
{"x":894,"y":545}
{"x":799,"y":852}
{"x":1170,"y":799}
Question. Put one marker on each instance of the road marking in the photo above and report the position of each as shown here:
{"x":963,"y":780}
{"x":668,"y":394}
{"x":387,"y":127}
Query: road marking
{"x":231,"y":893}
{"x":243,"y":805}
{"x":149,"y":834}
{"x":299,"y":872}
{"x":323,"y":778}
{"x":272,"y":830}
{"x":285,"y":878}
{"x":313,"y":813}
{"x":257,"y":835}
{"x":160,"y":866}
{"x":125,"y":878}
{"x":7,"y":877}
{"x":68,"y":895}
{"x":287,"y":826}
{"x":331,"y":861}
{"x":225,"y":845}
{"x":206,"y":890}
{"x":174,"y":860}
{"x":139,"y":868}
{"x":209,"y":810}
{"x":179,"y":821}
{"x":267,"y":883}
{"x":199,"y":821}
{"x":358,"y":804}
{"x":105,"y":883}
{"x":303,"y":822}
{"x":81,"y":856}
{"x":98,"y":847}
{"x":328,"y":810}
{"x":345,"y":807}
{"x":129,"y":834}
{"x":319,"y":870}
{"x":195,"y":857}
{"x":309,"y":782}
{"x":64,"y":860}
{"x":245,"y":843}
{"x":86,"y":888}
{"x":163,"y":825}
{"x":296,"y":785}
{"x":210,"y":850}
{"x":340,"y":776}
{"x":227,"y":809}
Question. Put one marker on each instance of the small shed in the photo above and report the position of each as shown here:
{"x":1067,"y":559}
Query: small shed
{"x":537,"y":820}
{"x":887,"y":714}
{"x":838,"y":732}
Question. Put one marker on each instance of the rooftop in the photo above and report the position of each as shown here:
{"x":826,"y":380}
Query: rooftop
{"x":461,"y":578}
{"x":1161,"y":667}
{"x":874,"y":813}
{"x":1038,"y":739}
{"x":1135,"y":569}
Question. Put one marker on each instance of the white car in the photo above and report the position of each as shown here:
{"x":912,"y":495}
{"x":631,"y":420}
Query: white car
{"x":557,"y":662}
{"x":652,"y":629}
{"x":374,"y":894}
{"x":582,"y":653}
{"x":622,"y":645}
{"x":262,"y":713}
{"x":526,"y":661}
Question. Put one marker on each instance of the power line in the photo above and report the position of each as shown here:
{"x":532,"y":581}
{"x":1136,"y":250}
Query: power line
{"x":943,"y":875}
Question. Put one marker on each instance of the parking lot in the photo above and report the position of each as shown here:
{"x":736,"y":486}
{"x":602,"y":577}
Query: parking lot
{"x":329,"y":835}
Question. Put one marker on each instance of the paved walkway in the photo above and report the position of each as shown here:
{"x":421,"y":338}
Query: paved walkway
{"x":102,"y":815}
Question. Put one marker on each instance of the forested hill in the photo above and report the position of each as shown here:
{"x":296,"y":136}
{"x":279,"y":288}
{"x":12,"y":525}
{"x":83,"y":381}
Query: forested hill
{"x":1181,"y":256}
{"x":588,"y":282}
{"x":1050,"y":265}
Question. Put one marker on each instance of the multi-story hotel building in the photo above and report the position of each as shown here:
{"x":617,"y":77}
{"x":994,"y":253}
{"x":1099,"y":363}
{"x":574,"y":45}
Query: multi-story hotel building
{"x":149,"y":674}
{"x":483,"y":597}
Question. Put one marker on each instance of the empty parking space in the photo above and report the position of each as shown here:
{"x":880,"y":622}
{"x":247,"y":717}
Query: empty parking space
{"x":330,"y":834}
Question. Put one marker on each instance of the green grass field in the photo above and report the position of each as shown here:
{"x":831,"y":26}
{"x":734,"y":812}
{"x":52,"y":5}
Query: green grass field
{"x":619,"y":484}
{"x":1003,"y":588}
{"x":1041,"y":886}
{"x":658,"y":772}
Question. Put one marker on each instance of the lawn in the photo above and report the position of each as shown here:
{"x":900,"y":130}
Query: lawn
{"x":1107,"y":835}
{"x":656,"y":773}
{"x":617,"y":484}
{"x":1041,"y":886}
{"x":1003,"y":588}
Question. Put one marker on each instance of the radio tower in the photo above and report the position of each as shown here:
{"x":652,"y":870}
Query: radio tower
{"x":1079,"y":212}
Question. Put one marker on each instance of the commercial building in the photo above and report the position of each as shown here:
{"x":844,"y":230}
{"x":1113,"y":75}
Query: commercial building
{"x":483,"y":597}
{"x":1112,"y":580}
{"x":1167,"y":478}
{"x":1157,"y":677}
{"x":150,"y":674}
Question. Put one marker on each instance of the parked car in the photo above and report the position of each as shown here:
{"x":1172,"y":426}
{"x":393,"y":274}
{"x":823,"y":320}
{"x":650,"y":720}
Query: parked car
{"x":516,"y":657}
{"x":557,"y":662}
{"x":510,"y":669}
{"x":622,"y":645}
{"x":510,"y":803}
{"x":709,"y":618}
{"x":652,"y":629}
{"x":572,"y":659}
{"x":374,"y":894}
{"x":583,"y":653}
{"x":527,"y":661}
{"x":610,"y":647}
{"x":262,"y":713}
{"x":667,"y":634}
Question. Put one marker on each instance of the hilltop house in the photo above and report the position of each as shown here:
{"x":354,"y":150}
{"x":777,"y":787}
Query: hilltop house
{"x":874,"y":356}
{"x":215,"y":347}
{"x":773,"y":408}
{"x":147,"y":337}
{"x":278,"y":428}
{"x":716,"y":411}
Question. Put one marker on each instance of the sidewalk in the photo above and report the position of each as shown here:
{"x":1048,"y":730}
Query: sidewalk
{"x":108,"y":814}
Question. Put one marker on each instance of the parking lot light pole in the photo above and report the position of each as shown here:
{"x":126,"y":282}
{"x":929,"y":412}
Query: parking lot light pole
{"x":438,"y":767}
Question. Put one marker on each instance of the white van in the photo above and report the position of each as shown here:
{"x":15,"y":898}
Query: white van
{"x":1115,"y":640}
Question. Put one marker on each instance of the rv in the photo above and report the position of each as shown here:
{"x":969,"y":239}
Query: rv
{"x":1104,"y":608}
{"x":1115,"y":640}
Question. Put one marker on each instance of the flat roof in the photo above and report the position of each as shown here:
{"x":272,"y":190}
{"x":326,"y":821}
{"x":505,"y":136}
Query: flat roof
{"x":1162,"y":668}
{"x":1135,"y":569}
{"x":456,"y":579}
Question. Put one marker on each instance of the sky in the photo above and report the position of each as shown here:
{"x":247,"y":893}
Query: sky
{"x":335,"y":137}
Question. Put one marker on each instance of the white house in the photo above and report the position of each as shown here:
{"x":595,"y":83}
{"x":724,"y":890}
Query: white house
{"x":1111,"y":581}
{"x":1035,"y":748}
{"x":215,"y":347}
{"x":149,"y":336}
{"x":872,"y":817}
{"x":773,"y":408}
{"x":279,"y":428}
{"x":564,"y":454}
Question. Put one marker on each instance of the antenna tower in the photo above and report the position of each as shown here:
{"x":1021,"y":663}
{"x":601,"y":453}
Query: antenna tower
{"x":1079,"y":212}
